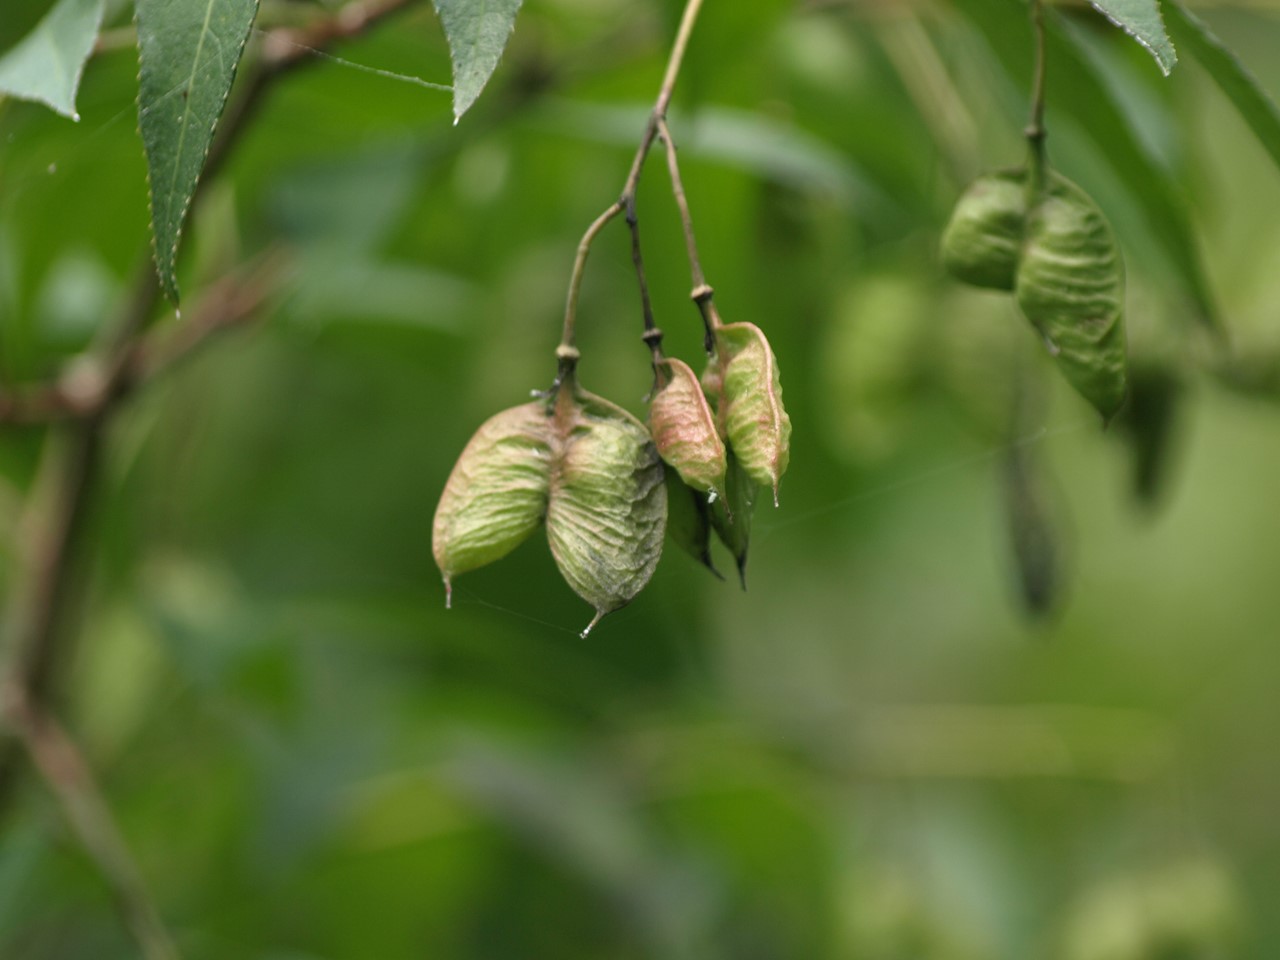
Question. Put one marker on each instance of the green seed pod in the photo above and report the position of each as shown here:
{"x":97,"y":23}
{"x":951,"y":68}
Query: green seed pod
{"x":608,"y":505}
{"x":497,"y":493}
{"x":744,"y":379}
{"x":1070,"y":285}
{"x":731,"y":514}
{"x":689,"y":520}
{"x":684,"y":428}
{"x":983,"y":241}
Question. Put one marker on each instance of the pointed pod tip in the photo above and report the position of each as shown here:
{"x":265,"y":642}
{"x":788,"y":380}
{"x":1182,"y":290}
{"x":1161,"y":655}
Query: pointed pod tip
{"x":775,"y":494}
{"x":710,"y":564}
{"x":448,"y":594}
{"x":591,"y":626}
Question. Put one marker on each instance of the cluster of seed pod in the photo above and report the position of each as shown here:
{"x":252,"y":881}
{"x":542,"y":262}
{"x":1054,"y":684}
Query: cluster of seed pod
{"x":1043,"y":239}
{"x":595,"y":475}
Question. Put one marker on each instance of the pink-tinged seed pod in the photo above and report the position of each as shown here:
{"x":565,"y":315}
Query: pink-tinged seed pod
{"x":684,"y":428}
{"x":744,"y":378}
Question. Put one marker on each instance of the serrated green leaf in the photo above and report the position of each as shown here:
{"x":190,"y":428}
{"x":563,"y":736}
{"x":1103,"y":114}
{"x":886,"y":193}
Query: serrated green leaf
{"x":1254,"y":104}
{"x":188,"y":51}
{"x":1141,"y":20}
{"x":477,"y":31}
{"x":45,"y":66}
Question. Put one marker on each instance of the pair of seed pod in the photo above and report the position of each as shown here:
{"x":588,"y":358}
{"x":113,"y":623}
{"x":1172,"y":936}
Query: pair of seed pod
{"x":594,"y":474}
{"x":722,"y":437}
{"x":1045,"y":240}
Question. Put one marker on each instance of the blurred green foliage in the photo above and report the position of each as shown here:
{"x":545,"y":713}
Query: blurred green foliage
{"x":870,"y":754}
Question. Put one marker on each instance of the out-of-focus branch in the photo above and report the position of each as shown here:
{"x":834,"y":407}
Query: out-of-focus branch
{"x":89,"y":385}
{"x":65,"y":771}
{"x":83,"y":407}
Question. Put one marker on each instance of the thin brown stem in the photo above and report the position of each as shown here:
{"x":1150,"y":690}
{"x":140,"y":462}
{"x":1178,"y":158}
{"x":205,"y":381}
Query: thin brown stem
{"x":701,"y":291}
{"x":626,"y":201}
{"x":652,"y":334}
{"x":575,"y":277}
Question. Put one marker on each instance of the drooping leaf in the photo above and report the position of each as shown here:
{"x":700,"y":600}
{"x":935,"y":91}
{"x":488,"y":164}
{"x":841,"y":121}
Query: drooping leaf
{"x":1148,"y":422}
{"x":477,"y":31}
{"x":497,"y":493}
{"x":1033,"y":534}
{"x":684,"y":428}
{"x":607,"y":513}
{"x":1141,"y":20}
{"x":731,"y":514}
{"x":1257,"y":107}
{"x":983,"y":240}
{"x":188,"y":51}
{"x":45,"y":66}
{"x":689,"y":520}
{"x":749,"y":402}
{"x":1070,"y":285}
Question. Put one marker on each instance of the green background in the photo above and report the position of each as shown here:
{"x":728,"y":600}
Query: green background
{"x":872,"y":753}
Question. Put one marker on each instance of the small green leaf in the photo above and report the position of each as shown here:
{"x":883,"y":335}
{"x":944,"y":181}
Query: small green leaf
{"x":1141,"y":20}
{"x":188,"y":51}
{"x":983,"y":240}
{"x":1071,"y":287}
{"x":46,"y":64}
{"x":1255,"y":105}
{"x":684,"y":428}
{"x":607,"y":513}
{"x":477,"y":31}
{"x":497,"y":493}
